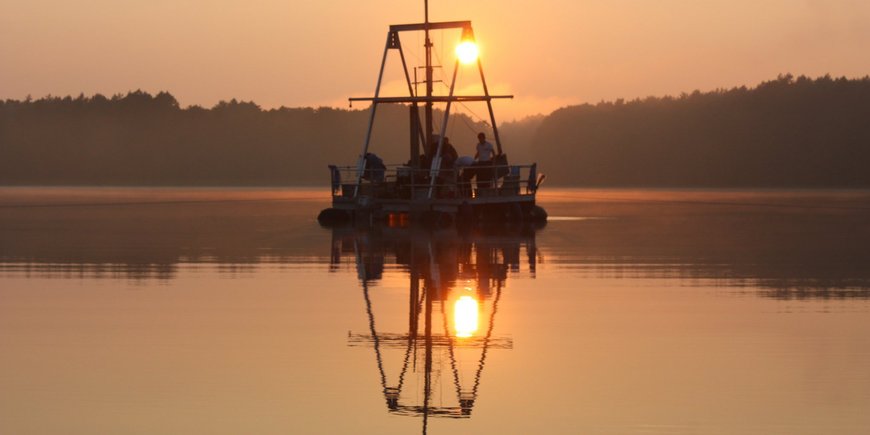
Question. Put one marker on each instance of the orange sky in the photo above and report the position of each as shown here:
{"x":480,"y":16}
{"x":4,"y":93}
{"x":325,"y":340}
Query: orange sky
{"x":549,"y":53}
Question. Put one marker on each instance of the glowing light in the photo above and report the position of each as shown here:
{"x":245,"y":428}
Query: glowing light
{"x":467,"y":52}
{"x":465,"y":316}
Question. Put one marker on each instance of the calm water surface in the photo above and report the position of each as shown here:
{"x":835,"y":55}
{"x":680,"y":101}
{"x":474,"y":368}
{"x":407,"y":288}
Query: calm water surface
{"x":214,"y":311}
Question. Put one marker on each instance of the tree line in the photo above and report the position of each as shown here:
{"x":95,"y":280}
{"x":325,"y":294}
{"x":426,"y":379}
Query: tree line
{"x":144,"y":139}
{"x":787,"y":132}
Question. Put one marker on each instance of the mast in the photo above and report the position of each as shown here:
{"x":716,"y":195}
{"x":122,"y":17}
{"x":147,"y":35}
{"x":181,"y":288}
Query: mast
{"x":428,"y":45}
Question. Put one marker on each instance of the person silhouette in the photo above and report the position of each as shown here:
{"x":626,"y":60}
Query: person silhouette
{"x":483,"y":162}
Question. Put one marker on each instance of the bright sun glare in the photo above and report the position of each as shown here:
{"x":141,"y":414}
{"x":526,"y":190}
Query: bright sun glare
{"x":467,"y":52}
{"x":465,"y":316}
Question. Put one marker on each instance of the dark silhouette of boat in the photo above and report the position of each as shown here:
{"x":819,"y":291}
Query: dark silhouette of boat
{"x":434,"y":186}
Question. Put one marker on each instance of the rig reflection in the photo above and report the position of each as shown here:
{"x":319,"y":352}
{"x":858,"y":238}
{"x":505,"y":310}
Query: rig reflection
{"x":456,"y":281}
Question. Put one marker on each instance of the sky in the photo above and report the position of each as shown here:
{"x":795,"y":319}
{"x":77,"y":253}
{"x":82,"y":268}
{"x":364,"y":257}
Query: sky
{"x":548,"y":53}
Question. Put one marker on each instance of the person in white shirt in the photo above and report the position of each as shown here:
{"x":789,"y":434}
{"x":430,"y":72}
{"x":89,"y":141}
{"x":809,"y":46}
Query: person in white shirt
{"x":485,"y":151}
{"x":483,"y":160}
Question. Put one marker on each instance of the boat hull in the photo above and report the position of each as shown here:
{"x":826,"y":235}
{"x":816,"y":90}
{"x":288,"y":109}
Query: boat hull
{"x":434,"y":212}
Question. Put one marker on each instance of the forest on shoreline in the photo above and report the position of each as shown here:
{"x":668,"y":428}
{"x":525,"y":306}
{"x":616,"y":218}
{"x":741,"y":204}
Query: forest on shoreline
{"x":788,"y":132}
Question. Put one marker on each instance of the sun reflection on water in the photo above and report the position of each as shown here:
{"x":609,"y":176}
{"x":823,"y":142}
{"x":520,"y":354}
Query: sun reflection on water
{"x":465,"y":316}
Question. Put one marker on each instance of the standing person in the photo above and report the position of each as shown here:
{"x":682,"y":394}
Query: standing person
{"x":483,"y":161}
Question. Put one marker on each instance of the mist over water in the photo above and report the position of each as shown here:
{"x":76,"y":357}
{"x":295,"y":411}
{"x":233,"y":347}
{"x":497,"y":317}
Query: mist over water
{"x":631,"y":311}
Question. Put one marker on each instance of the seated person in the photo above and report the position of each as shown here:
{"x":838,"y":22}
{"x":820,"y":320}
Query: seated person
{"x":448,"y":153}
{"x":446,"y":175}
{"x":374,"y":168}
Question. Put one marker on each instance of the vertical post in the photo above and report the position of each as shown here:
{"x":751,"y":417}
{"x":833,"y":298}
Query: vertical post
{"x":436,"y":160}
{"x":428,"y":45}
{"x":360,"y":166}
{"x":415,"y":138}
{"x":489,"y":106}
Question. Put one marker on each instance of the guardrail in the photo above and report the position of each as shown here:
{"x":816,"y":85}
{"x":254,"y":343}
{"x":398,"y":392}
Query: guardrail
{"x":403,"y":182}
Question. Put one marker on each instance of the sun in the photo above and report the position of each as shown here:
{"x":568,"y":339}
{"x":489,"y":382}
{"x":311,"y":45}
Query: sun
{"x":467,"y":52}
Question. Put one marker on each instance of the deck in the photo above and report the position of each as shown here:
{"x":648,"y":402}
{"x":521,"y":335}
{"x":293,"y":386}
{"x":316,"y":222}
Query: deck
{"x":401,"y":189}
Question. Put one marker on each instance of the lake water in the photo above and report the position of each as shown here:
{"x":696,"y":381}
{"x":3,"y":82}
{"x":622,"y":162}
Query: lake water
{"x":230,"y":311}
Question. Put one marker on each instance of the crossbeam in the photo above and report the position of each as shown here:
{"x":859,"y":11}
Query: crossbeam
{"x":433,"y":99}
{"x":397,"y":340}
{"x":431,"y":26}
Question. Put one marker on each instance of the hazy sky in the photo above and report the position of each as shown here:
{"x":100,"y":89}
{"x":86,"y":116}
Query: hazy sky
{"x":549,"y":53}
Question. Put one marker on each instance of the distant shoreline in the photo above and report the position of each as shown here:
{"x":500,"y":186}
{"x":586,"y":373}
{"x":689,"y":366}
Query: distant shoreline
{"x":787,"y":133}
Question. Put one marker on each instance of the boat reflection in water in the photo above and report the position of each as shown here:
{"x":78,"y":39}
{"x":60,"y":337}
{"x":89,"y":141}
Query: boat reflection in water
{"x":455,"y":284}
